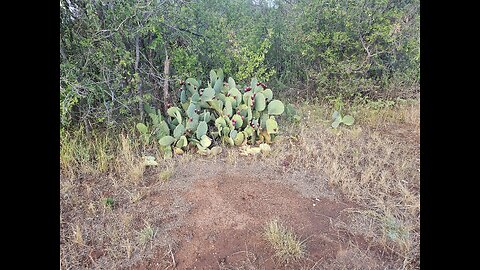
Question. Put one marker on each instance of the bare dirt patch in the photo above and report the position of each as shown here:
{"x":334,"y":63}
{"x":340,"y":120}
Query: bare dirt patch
{"x":224,"y":227}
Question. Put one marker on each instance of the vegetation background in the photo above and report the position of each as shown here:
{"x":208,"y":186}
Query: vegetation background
{"x":113,"y":51}
{"x":360,"y":57}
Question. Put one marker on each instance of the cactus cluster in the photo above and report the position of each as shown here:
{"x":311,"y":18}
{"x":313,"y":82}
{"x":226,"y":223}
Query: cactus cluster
{"x":338,"y":119}
{"x":224,"y":112}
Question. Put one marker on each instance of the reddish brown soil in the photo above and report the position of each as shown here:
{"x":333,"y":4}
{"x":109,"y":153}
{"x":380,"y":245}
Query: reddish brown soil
{"x":224,"y":228}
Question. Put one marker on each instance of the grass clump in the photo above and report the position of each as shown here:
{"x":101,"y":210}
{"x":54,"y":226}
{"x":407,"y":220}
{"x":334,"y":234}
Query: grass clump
{"x":165,"y":175}
{"x":286,"y":244}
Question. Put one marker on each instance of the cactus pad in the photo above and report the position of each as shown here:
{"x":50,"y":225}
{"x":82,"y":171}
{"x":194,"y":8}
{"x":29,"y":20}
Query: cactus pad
{"x":275,"y":107}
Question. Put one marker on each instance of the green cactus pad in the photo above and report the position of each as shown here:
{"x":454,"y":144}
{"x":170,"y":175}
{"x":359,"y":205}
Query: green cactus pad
{"x":201,"y":129}
{"x":249,"y":114}
{"x":213,"y":76}
{"x":231,"y":83}
{"x":348,"y":120}
{"x":272,"y":126}
{"x":142,"y":128}
{"x":257,"y":89}
{"x":249,"y":131}
{"x":208,"y":94}
{"x":217,"y":87}
{"x":275,"y":107}
{"x":228,"y":108}
{"x":185,"y":105}
{"x":337,"y":122}
{"x":193,"y":82}
{"x":239,"y":138}
{"x":191,"y":89}
{"x":220,"y":74}
{"x":253,"y":83}
{"x":182,"y":142}
{"x":259,"y":102}
{"x":191,"y":109}
{"x":226,"y":131}
{"x":183,"y":96}
{"x":220,"y":97}
{"x":173,"y":111}
{"x":233,"y":134}
{"x":207,"y":116}
{"x":204,"y":105}
{"x":236,"y":95}
{"x":192,"y":85}
{"x":166,"y":141}
{"x":195,"y":97}
{"x":178,"y":131}
{"x":238,"y":120}
{"x":268,"y":94}
{"x":216,"y":150}
{"x":335,"y":115}
{"x":192,"y":124}
{"x":162,"y":130}
{"x":217,"y":105}
{"x":205,"y":141}
{"x":220,"y":121}
{"x":173,"y":124}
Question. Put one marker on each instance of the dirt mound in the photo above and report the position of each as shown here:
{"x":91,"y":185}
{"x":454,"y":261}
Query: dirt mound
{"x":226,"y":223}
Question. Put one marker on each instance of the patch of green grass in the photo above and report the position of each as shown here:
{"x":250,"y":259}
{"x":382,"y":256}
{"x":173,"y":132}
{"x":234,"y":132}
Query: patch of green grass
{"x":286,"y":244}
{"x":165,"y":175}
{"x":108,"y":202}
{"x":147,"y":234}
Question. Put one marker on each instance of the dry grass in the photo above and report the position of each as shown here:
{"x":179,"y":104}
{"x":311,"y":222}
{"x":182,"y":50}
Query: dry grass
{"x":286,"y":244}
{"x":80,"y":154}
{"x":128,"y":162}
{"x":374,"y":163}
{"x":103,"y":222}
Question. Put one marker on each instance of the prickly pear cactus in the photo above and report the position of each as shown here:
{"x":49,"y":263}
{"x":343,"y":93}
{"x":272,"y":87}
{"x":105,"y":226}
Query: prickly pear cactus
{"x":228,"y":113}
{"x":338,"y":119}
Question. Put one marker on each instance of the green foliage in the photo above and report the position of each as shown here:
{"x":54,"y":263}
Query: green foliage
{"x":149,"y":161}
{"x":292,"y":114}
{"x":338,"y":119}
{"x":368,"y":48}
{"x":238,"y":121}
{"x":108,"y":202}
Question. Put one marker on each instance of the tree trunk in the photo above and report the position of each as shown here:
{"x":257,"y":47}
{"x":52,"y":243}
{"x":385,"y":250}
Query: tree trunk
{"x":139,"y":83}
{"x":166,"y":96}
